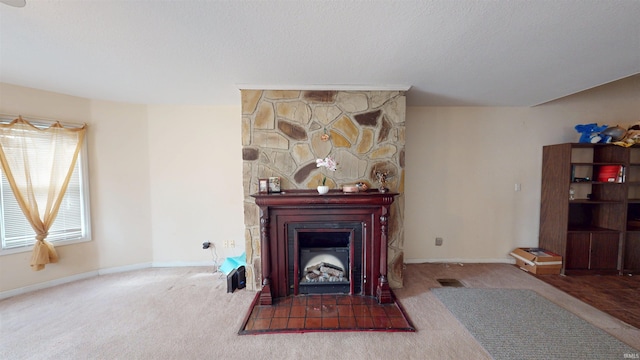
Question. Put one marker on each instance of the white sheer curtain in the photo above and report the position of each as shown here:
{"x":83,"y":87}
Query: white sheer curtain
{"x":38,"y":164}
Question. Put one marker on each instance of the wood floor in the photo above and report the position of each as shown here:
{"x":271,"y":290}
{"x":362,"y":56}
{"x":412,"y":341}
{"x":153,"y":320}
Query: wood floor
{"x":618,"y":296}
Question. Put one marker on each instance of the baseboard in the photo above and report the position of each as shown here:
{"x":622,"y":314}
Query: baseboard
{"x":112,"y":270}
{"x":460,"y":261}
{"x":119,"y":269}
{"x":47,"y":284}
{"x":182,"y":263}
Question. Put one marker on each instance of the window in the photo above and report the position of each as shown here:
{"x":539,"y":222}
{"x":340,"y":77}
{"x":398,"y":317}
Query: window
{"x":72,"y":224}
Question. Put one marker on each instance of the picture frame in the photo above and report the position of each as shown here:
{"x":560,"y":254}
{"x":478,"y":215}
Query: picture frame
{"x":274,"y":184}
{"x":263,"y":186}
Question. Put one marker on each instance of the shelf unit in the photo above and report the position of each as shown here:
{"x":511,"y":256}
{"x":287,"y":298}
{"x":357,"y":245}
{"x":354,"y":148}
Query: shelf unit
{"x":594,"y":225}
{"x":631,"y":255}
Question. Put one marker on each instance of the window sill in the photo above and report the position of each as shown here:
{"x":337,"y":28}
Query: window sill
{"x":56,"y":244}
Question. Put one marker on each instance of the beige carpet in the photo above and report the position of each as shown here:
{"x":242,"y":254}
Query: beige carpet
{"x":186,"y":313}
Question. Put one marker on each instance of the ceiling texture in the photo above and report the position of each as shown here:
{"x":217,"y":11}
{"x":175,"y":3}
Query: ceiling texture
{"x":448,"y":52}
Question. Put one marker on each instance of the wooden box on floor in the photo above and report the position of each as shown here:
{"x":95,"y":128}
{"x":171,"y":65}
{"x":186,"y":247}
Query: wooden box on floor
{"x":537,"y":261}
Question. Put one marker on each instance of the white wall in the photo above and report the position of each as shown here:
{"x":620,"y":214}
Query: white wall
{"x":463,"y":164}
{"x":119,"y":181}
{"x":196,"y":182}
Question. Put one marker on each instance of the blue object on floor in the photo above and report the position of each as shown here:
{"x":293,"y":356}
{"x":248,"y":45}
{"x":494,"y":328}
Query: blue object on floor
{"x":232,"y":263}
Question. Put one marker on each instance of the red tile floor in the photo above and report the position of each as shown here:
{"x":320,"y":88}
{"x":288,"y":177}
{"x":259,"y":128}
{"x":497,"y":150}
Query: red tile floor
{"x":306,"y":313}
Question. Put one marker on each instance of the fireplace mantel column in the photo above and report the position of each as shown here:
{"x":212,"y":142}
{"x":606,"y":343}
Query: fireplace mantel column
{"x":266,"y":298}
{"x":383,"y":293}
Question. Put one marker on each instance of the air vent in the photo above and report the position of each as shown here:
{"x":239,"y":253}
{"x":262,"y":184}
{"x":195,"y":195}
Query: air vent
{"x":450,"y":282}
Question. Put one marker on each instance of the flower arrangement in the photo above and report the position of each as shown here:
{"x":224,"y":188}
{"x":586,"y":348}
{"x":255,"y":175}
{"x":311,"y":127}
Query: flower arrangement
{"x":329,"y":163}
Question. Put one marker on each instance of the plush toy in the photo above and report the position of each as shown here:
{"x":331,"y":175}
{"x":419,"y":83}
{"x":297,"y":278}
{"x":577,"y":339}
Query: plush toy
{"x":615,"y":133}
{"x":590,"y":133}
{"x":631,"y":137}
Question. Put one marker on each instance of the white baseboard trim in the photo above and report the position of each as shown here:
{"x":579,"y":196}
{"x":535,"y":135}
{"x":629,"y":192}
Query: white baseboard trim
{"x":182,"y":263}
{"x":119,"y":269}
{"x":47,"y":284}
{"x":460,"y":261}
{"x":106,"y":271}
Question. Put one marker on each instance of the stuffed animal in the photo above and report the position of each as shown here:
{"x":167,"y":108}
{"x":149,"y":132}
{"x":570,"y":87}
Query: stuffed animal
{"x":590,"y":133}
{"x":615,"y":133}
{"x":631,"y":137}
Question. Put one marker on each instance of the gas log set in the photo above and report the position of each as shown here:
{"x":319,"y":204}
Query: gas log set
{"x":324,"y":272}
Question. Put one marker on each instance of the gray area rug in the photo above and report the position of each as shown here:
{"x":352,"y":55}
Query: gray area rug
{"x":520,"y":324}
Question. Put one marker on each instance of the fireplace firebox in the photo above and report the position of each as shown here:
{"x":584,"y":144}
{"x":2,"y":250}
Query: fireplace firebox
{"x":327,"y":258}
{"x":317,"y":244}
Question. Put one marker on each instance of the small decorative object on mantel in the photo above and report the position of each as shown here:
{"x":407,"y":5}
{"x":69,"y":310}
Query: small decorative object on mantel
{"x":362,"y":186}
{"x":351,"y":188}
{"x":274,"y":184}
{"x":263,"y":186}
{"x":331,"y":165}
{"x":381,"y":176}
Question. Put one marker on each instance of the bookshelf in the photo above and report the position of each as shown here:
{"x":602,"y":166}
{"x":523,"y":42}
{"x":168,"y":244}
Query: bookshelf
{"x":590,"y":207}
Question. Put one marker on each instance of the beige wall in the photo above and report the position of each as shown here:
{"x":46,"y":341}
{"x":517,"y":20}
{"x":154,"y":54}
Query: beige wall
{"x":463,"y":164}
{"x":195,"y":158}
{"x":174,"y":180}
{"x":163,"y":179}
{"x":119,"y":182}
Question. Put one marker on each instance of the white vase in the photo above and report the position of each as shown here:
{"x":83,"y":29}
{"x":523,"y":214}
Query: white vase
{"x":323,"y":189}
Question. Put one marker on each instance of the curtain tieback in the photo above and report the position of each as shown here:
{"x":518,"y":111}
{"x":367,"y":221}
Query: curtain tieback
{"x":41,"y":237}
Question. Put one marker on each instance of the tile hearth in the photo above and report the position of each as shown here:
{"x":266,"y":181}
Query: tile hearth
{"x":307,"y":313}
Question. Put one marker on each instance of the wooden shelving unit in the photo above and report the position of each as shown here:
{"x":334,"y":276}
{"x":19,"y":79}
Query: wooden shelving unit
{"x":591,"y":223}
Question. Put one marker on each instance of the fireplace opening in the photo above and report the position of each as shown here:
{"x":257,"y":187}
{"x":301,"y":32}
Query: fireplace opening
{"x":324,"y":262}
{"x":325,"y":259}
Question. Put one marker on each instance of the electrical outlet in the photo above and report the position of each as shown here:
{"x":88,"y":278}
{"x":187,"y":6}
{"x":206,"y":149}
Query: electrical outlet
{"x":225,"y":244}
{"x":439,"y":241}
{"x":232,"y":243}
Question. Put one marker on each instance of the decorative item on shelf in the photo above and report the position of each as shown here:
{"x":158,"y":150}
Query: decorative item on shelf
{"x":274,"y":184}
{"x":591,"y":133}
{"x":381,"y":176}
{"x":350,"y":188}
{"x":362,"y":186}
{"x":572,"y":193}
{"x":631,"y":136}
{"x":263,"y":186}
{"x":615,"y":133}
{"x":331,"y":165}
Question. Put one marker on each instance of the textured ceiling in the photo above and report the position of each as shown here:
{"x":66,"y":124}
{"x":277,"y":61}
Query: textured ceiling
{"x":450,"y":52}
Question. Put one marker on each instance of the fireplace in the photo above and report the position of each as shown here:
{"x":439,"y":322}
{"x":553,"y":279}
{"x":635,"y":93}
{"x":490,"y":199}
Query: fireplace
{"x":327,"y":258}
{"x":318,"y":244}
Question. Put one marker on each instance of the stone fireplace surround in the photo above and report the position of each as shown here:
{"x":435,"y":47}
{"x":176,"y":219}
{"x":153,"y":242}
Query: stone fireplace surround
{"x":282,"y":135}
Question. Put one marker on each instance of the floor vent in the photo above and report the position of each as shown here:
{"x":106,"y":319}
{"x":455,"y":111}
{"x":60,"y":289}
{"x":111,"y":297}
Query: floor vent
{"x":450,"y":282}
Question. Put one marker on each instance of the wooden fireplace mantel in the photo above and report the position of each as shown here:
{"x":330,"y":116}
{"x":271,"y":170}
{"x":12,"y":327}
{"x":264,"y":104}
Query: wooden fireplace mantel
{"x":370,"y":209}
